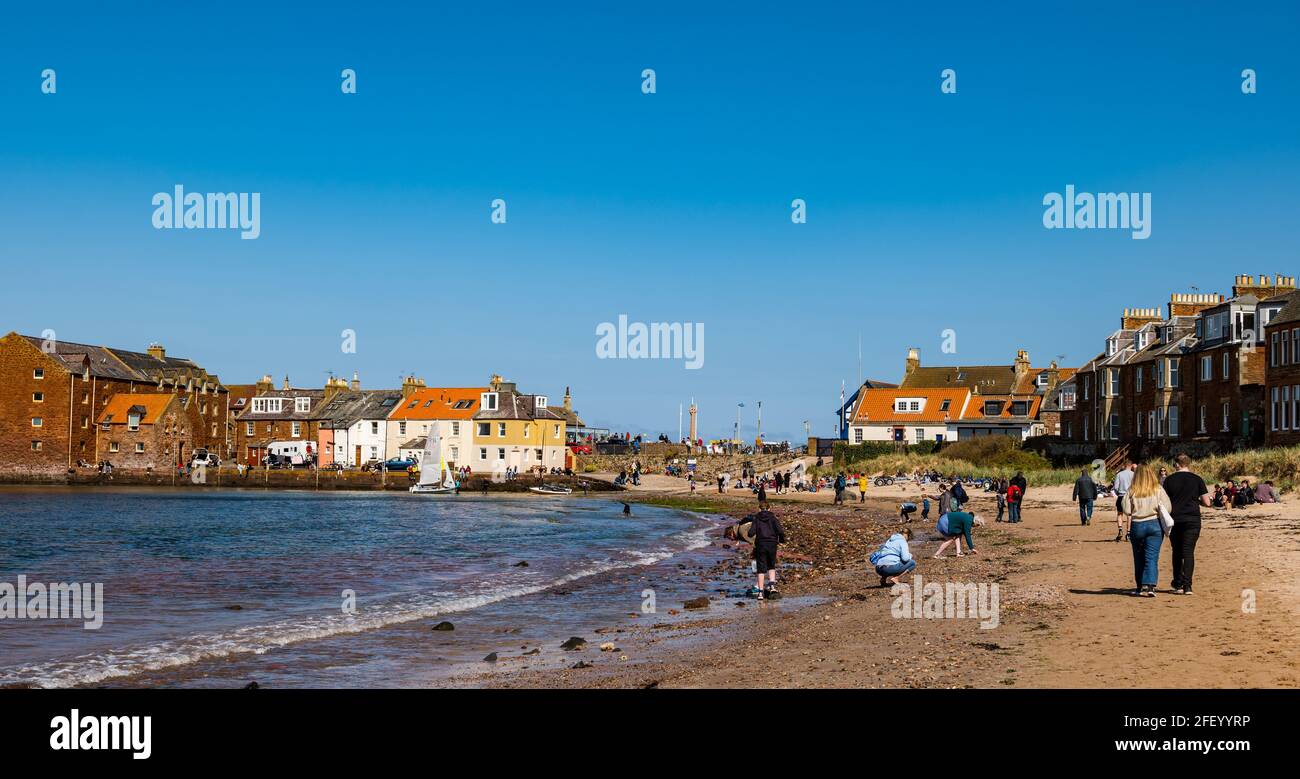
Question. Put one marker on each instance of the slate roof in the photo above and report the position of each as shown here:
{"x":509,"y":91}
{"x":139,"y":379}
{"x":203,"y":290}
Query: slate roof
{"x":112,"y":363}
{"x":288,"y":410}
{"x":1290,"y":312}
{"x":349,"y":407}
{"x":991,"y":379}
{"x":512,"y":405}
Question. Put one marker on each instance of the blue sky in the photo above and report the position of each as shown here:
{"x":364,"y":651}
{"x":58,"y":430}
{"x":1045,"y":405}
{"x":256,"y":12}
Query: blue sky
{"x":924,"y":209}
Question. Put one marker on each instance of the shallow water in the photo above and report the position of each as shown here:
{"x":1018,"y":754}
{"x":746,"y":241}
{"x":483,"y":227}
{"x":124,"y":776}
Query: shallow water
{"x":218,"y":587}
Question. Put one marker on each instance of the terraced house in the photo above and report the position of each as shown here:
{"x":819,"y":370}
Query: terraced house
{"x":452,"y":409}
{"x":353,"y":426}
{"x":514,"y":430}
{"x":1282,"y":373}
{"x":282,"y":415}
{"x":53,"y":395}
{"x":1193,"y":379}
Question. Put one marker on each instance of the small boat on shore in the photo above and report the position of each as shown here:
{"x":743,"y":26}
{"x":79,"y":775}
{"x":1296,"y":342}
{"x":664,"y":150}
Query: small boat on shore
{"x":551,"y":489}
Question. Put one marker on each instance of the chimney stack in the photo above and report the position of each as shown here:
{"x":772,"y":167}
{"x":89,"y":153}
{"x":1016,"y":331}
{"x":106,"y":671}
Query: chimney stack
{"x":409,"y":385}
{"x":265,"y":385}
{"x":356,"y":382}
{"x":157,"y":352}
{"x":913,"y":361}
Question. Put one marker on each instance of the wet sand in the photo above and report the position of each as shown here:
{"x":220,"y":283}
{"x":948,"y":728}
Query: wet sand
{"x":1065,"y":618}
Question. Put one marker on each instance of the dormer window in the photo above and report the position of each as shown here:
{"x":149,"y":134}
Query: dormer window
{"x":541,"y":401}
{"x":908,"y":405}
{"x":992,"y":408}
{"x":133,"y":421}
{"x":489,"y":400}
{"x":945,"y":405}
{"x":302,"y":405}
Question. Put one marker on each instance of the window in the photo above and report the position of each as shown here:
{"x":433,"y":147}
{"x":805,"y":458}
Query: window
{"x":38,"y":373}
{"x":374,"y":428}
{"x":1087,"y":389}
{"x":539,"y":455}
{"x":268,"y":405}
{"x":133,"y":421}
{"x":36,"y":446}
{"x":1137,"y":380}
{"x":857,"y":435}
{"x":1085,"y":429}
{"x":945,"y":405}
{"x":501,"y":454}
{"x":248,"y":428}
{"x":1160,"y":374}
{"x":38,"y":422}
{"x":1226,"y":415}
{"x":540,"y":402}
{"x":1226,"y":370}
{"x":297,"y":429}
{"x":1284,"y":349}
{"x":139,"y":447}
{"x":482,"y":453}
{"x":484,"y":428}
{"x":527,"y":429}
{"x":85,"y":398}
{"x":1276,"y":412}
{"x":38,"y":397}
{"x":1295,"y":406}
{"x":555,"y":432}
{"x":401,"y":428}
{"x":1020,"y":408}
{"x":1272,"y":350}
{"x":455,"y":453}
{"x":1114,"y":427}
{"x":85,"y":423}
{"x":501,"y":429}
{"x":1113,"y":374}
{"x":1151,"y":423}
{"x":455,"y":428}
{"x":112,"y":447}
{"x":1284,"y":424}
{"x":1207,"y":367}
{"x":1173,"y":373}
{"x":490,"y":401}
{"x":1200,"y":427}
{"x":1138,"y":420}
{"x":919,"y":434}
{"x":302,"y":405}
{"x":1161,"y":418}
{"x":992,"y":408}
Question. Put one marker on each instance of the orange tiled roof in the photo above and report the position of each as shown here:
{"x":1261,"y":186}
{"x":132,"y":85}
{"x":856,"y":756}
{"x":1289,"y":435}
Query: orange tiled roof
{"x":120,"y":405}
{"x":439,"y":403}
{"x":975,"y":409}
{"x":877,"y":405}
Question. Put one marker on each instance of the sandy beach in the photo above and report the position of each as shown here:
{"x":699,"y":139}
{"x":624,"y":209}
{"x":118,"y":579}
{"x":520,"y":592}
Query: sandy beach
{"x":1065,"y":618}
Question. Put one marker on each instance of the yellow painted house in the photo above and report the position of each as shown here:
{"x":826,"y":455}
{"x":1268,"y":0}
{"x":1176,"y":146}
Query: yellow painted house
{"x":513,"y":430}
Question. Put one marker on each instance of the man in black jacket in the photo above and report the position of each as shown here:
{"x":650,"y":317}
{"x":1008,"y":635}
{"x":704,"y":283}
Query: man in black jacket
{"x":1085,"y":491}
{"x":768,"y":533}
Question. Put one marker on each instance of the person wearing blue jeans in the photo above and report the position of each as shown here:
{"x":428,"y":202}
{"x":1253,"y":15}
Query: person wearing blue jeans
{"x":1143,"y":504}
{"x":894,"y":559}
{"x":1085,"y":491}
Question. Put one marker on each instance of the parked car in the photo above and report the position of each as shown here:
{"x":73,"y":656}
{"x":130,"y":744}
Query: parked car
{"x":205,"y":458}
{"x":397,"y":464}
{"x":580,"y":448}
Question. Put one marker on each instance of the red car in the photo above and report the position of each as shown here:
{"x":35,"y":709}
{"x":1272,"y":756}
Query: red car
{"x":579,"y":448}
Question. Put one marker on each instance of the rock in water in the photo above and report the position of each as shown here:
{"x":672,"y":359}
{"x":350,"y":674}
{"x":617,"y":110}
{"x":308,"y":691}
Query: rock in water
{"x":574,"y":642}
{"x":697,"y":603}
{"x":491,"y":658}
{"x":252,"y":686}
{"x":582,"y":664}
{"x":521,"y":564}
{"x":444,"y":625}
{"x":608,"y":646}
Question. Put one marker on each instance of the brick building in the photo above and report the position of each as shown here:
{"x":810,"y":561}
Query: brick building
{"x":142,"y":430}
{"x":1195,"y":376}
{"x":279,"y":415}
{"x":52,"y":394}
{"x":1282,"y":373}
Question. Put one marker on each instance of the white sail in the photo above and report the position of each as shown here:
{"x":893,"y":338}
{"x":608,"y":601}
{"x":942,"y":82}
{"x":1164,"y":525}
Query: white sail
{"x":432,"y":465}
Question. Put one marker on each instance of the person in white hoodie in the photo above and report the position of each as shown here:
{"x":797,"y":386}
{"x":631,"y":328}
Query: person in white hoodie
{"x":894,"y":559}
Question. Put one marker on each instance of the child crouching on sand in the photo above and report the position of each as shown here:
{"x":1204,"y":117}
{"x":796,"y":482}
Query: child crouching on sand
{"x":894,"y":559}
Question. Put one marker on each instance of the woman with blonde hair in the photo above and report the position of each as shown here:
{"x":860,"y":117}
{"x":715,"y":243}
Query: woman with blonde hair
{"x":1143,"y":504}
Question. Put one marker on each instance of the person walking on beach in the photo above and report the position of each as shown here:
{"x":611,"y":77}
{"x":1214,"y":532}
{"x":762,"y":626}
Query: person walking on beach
{"x":894,"y":559}
{"x":862,"y":488}
{"x":768,"y":534}
{"x":1002,"y":505}
{"x":1085,"y":491}
{"x":785,"y":481}
{"x":840,"y":484}
{"x":1187,"y":493}
{"x":953,"y":527}
{"x":1016,"y":489}
{"x":925,"y":507}
{"x":1142,"y":504}
{"x":1123,"y":483}
{"x":945,"y":499}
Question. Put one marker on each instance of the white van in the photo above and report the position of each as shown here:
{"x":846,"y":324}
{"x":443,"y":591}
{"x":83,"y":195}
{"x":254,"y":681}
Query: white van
{"x":293,"y":453}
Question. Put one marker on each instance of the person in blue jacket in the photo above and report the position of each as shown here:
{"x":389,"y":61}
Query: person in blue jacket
{"x":894,"y":559}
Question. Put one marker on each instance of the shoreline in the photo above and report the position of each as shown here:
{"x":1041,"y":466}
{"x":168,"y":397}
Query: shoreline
{"x":1065,"y":618}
